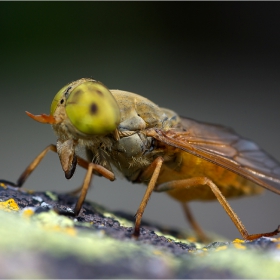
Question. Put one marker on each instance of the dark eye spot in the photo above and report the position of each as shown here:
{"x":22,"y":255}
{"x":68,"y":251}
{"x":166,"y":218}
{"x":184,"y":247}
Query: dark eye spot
{"x":61,"y":101}
{"x":99,"y":92}
{"x":75,"y":96}
{"x":93,"y":108}
{"x":78,"y":92}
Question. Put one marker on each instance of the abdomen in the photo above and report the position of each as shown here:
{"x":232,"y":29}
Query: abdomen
{"x":230,"y":184}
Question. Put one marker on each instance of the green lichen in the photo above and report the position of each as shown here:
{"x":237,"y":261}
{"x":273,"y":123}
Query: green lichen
{"x":24,"y":238}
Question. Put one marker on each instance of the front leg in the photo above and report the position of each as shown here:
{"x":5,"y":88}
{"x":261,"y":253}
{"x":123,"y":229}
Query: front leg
{"x":80,"y":161}
{"x":26,"y":173}
{"x":31,"y":167}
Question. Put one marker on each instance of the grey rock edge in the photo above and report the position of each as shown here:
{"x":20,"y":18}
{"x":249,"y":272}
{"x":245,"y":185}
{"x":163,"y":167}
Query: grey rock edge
{"x":36,"y":242}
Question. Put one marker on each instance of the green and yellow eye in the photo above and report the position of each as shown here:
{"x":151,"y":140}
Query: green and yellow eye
{"x":90,"y":107}
{"x":58,"y":98}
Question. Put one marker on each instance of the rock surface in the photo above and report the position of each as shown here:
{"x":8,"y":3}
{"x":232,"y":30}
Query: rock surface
{"x":36,"y":242}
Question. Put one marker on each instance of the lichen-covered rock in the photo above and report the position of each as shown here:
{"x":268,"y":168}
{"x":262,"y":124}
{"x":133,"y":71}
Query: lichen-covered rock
{"x":36,"y":242}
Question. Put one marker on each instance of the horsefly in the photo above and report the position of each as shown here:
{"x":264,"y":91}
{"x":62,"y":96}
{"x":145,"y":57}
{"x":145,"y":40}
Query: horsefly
{"x":187,"y":159}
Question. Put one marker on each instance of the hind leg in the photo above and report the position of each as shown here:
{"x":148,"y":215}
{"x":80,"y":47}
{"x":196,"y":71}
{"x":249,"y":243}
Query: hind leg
{"x":195,"y":226}
{"x":196,"y":181}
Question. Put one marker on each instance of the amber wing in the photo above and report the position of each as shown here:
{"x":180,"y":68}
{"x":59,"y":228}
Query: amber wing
{"x":222,"y":146}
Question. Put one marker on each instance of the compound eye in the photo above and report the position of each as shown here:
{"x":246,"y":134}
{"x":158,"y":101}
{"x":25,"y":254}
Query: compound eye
{"x":57,"y":99}
{"x":92,"y":109}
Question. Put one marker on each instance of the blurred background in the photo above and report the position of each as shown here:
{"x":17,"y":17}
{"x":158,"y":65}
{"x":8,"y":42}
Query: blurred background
{"x":215,"y":62}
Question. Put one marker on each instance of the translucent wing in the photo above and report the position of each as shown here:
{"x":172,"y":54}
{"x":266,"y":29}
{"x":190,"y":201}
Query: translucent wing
{"x":222,"y":146}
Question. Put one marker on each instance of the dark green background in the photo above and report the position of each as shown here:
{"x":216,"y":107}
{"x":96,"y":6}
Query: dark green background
{"x":217,"y":62}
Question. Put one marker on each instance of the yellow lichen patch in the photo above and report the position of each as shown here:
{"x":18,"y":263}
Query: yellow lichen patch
{"x":27,"y":212}
{"x":3,"y":185}
{"x":239,"y":246}
{"x":238,"y":241}
{"x":9,"y":205}
{"x":221,"y":248}
{"x":192,"y":239}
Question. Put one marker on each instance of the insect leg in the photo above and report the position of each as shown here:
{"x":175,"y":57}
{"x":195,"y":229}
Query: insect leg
{"x":84,"y":189}
{"x":98,"y":168}
{"x":193,"y":182}
{"x":23,"y":177}
{"x":81,"y":162}
{"x":189,"y":216}
{"x":155,"y":166}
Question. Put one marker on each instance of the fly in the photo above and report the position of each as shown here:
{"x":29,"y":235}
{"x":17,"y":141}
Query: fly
{"x":187,"y":159}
